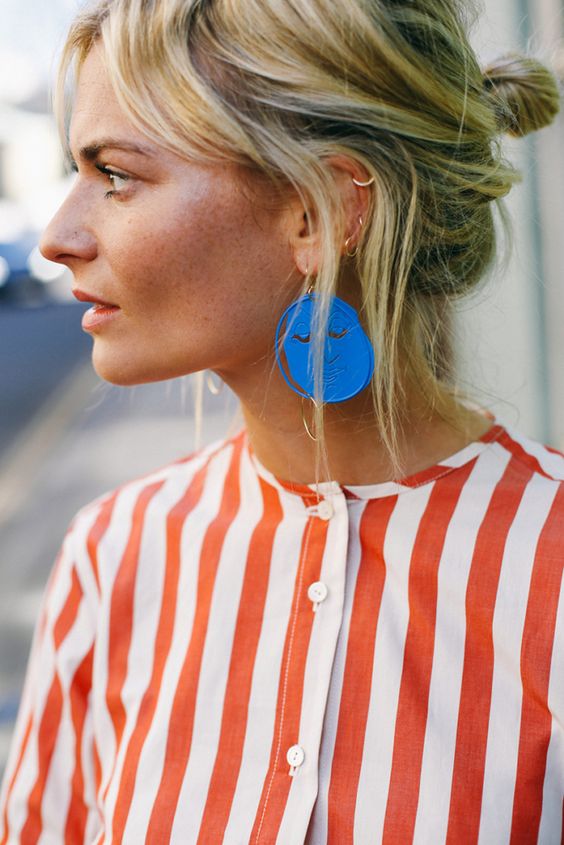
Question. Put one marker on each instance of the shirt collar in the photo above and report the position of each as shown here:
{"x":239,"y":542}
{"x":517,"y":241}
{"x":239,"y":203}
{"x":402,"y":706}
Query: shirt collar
{"x":309,"y":492}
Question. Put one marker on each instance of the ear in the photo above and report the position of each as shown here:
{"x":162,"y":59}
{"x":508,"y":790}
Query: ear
{"x":304,"y":238}
{"x":355,"y":204}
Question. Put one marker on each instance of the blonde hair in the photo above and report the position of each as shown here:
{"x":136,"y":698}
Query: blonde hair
{"x":281,"y":85}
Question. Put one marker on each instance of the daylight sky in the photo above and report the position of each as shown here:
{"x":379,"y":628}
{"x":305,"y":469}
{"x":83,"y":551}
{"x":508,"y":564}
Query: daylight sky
{"x":31,"y":33}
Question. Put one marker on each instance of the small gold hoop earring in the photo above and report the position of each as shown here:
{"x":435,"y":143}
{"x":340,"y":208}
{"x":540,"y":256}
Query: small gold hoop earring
{"x":349,"y":239}
{"x":212,"y":386}
{"x":307,"y":428}
{"x":348,"y":253}
{"x":363,"y":184}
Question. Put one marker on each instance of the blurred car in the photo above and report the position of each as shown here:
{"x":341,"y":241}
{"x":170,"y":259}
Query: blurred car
{"x":25,"y":276}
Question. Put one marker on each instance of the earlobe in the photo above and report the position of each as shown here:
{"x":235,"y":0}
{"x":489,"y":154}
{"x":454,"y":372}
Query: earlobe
{"x":306,"y":246}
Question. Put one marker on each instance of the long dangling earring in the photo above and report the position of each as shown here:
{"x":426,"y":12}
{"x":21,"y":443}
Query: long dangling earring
{"x":348,"y":353}
{"x":213,"y":388}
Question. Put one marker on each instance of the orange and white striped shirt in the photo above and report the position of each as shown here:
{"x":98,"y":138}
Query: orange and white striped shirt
{"x":222,"y":658}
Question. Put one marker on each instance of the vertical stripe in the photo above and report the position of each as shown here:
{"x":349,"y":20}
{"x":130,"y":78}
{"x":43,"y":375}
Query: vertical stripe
{"x":78,"y":695}
{"x":57,"y":793}
{"x":152,"y":568}
{"x":412,"y":710}
{"x":121,"y":613}
{"x":475,"y":696}
{"x":267,"y":670}
{"x":290,"y":691}
{"x":179,"y":734}
{"x":373,"y":788}
{"x":60,"y":600}
{"x":97,"y":531}
{"x":507,"y":687}
{"x":536,"y":653}
{"x":551,"y":827}
{"x":217,"y":656}
{"x":13,"y":779}
{"x":357,"y":679}
{"x":50,"y":720}
{"x":163,"y":639}
{"x":448,"y":658}
{"x":97,"y":771}
{"x":235,"y":711}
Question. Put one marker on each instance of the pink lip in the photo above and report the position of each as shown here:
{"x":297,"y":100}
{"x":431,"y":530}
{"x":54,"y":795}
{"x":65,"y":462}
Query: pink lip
{"x":96,"y":316}
{"x":86,"y":297}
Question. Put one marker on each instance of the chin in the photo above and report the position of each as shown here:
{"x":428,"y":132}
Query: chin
{"x":131,"y":373}
{"x":124,"y":375}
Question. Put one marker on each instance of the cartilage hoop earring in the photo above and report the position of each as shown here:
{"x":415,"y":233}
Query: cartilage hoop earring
{"x":213,"y":388}
{"x":363,"y":184}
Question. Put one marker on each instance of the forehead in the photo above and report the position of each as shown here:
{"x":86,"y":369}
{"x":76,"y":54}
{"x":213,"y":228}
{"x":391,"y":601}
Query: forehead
{"x":96,"y":110}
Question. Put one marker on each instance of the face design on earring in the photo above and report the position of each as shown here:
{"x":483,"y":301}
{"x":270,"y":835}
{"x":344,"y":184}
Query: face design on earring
{"x":348,"y":355}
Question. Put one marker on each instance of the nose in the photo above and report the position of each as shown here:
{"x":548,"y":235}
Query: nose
{"x":67,"y":239}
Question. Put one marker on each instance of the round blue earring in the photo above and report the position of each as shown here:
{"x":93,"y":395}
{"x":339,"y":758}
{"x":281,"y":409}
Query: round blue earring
{"x":348,"y":353}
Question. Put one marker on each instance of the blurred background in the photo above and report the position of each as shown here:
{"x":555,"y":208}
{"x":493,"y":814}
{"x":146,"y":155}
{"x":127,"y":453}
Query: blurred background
{"x":67,"y":437}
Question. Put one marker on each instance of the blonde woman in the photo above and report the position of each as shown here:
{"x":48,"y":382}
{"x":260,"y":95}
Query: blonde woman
{"x":341,"y":624}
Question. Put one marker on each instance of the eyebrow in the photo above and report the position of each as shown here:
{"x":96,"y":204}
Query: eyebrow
{"x":91,"y":151}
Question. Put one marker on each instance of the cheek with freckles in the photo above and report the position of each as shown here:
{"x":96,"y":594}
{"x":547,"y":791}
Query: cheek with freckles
{"x":208,"y":295}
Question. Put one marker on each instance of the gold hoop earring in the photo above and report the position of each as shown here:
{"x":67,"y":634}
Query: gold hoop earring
{"x":308,"y":431}
{"x":213,"y":388}
{"x":347,"y":251}
{"x":349,"y":239}
{"x":363,"y":184}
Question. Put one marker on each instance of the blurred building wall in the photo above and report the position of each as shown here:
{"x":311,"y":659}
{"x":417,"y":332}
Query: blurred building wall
{"x":512,"y":332}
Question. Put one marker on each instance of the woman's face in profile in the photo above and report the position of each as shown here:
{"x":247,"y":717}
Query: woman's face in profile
{"x":201,"y":273}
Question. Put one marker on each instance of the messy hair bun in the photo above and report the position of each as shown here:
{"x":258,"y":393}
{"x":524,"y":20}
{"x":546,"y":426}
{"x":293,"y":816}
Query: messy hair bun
{"x":524,"y":93}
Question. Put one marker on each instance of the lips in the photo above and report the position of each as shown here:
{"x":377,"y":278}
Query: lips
{"x":82,"y":296}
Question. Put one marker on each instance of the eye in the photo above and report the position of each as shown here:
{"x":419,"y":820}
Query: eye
{"x":117,"y":180}
{"x":302,"y":339}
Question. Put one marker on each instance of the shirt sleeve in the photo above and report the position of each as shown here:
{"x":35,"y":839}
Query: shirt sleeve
{"x":48,"y":790}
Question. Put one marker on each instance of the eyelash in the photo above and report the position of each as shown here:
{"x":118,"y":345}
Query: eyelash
{"x":106,"y":172}
{"x":111,"y":173}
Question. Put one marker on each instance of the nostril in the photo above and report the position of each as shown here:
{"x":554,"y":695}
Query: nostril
{"x":47,"y":248}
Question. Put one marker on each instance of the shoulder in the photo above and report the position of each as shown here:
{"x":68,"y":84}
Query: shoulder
{"x":115,"y":524}
{"x":533,"y":456}
{"x":528,"y":497}
{"x":180,"y":472}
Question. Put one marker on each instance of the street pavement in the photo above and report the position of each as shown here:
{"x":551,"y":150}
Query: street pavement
{"x":87,"y":438}
{"x":38,"y":347}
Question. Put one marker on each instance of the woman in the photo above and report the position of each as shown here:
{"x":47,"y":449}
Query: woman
{"x":343,"y":623}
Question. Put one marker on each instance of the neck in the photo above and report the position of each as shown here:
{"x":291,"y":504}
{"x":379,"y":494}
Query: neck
{"x":356,"y":453}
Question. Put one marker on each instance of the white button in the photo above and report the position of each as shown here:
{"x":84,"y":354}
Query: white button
{"x":295,"y":755}
{"x":317,"y":591}
{"x":325,"y":510}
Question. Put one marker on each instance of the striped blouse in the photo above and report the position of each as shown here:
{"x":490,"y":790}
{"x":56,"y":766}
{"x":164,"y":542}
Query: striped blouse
{"x":223,"y":657}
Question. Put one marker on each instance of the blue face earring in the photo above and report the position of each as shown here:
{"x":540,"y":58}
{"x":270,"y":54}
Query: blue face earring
{"x":348,"y":353}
